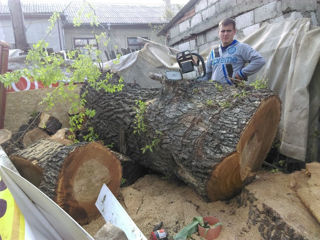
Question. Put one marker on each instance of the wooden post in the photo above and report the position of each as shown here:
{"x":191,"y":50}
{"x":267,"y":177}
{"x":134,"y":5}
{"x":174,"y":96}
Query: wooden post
{"x":4,"y":54}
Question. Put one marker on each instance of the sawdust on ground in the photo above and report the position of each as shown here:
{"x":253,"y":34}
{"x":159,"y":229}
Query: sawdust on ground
{"x":153,"y":199}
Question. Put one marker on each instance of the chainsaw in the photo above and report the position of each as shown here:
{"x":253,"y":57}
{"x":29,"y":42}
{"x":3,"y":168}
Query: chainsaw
{"x":191,"y":66}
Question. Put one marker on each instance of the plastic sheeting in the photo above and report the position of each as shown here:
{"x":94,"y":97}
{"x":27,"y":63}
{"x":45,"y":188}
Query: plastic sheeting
{"x":291,"y":50}
{"x":136,"y":67}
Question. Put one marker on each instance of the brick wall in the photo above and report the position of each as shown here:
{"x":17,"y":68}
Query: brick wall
{"x":199,"y":30}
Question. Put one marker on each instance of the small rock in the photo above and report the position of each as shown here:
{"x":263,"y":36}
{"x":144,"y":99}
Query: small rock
{"x":110,"y":232}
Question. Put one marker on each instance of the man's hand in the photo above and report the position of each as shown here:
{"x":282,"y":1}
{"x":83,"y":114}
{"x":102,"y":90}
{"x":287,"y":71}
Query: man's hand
{"x":237,"y":76}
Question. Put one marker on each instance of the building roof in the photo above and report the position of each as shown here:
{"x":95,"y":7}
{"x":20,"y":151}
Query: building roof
{"x":106,"y":13}
{"x":178,"y":16}
{"x":118,"y":14}
{"x":34,"y":8}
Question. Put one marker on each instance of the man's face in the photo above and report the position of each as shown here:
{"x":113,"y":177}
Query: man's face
{"x":226,"y":34}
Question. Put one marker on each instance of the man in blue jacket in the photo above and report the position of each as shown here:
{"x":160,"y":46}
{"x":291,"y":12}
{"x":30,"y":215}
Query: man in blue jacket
{"x":228,"y":61}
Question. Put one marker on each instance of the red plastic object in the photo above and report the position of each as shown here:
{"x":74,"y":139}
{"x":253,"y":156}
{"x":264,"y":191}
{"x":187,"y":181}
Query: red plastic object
{"x":212,"y":232}
{"x":158,"y":235}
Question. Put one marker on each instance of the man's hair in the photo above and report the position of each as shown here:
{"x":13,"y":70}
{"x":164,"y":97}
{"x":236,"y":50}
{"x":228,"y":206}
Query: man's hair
{"x":227,"y":21}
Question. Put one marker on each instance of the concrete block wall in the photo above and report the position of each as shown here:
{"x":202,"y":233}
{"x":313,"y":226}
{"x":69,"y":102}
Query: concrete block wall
{"x":201,"y":29}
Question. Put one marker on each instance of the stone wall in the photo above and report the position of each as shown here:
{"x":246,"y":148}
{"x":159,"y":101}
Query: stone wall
{"x":200,"y":30}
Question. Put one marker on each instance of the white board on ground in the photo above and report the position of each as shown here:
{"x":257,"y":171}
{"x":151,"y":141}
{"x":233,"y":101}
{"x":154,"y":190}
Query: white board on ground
{"x":113,"y":212}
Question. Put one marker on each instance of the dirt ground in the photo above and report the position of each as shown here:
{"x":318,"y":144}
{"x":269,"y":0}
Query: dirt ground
{"x":268,"y":208}
{"x":153,"y":199}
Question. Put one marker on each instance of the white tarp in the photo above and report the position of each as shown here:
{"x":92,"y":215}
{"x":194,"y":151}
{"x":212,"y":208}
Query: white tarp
{"x":135,"y":67}
{"x":291,"y":50}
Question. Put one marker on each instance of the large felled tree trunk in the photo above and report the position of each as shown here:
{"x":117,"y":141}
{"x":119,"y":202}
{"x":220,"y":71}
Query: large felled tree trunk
{"x":212,"y":137}
{"x":71,"y":175}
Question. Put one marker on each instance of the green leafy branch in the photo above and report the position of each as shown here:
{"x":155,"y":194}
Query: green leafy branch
{"x":139,"y":124}
{"x":52,"y":20}
{"x":209,"y":103}
{"x":155,"y":141}
{"x":224,"y":104}
{"x":260,"y":84}
{"x":241,"y":94}
{"x":52,"y":68}
{"x":12,"y":77}
{"x":218,"y":86}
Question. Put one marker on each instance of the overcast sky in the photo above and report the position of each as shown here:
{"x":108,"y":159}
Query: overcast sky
{"x":145,"y":2}
{"x":128,"y":2}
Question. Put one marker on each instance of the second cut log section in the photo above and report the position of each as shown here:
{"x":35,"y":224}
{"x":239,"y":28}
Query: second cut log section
{"x":70,"y":175}
{"x":210,"y":136}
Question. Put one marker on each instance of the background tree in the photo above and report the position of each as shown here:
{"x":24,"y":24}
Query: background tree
{"x":18,"y":24}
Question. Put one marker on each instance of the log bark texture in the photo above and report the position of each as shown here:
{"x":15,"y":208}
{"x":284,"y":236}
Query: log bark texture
{"x":70,"y":175}
{"x":212,"y":137}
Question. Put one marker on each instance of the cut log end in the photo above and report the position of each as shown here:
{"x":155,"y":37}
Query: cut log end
{"x":28,"y":169}
{"x":256,"y":139}
{"x":90,"y":166}
{"x":33,"y":136}
{"x":255,"y":142}
{"x":225,"y":179}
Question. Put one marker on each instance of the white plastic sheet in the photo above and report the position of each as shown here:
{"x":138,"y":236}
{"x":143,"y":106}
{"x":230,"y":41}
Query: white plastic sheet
{"x":292,"y":51}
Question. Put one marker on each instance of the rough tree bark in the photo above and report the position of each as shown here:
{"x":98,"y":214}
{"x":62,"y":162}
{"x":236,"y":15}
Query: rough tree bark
{"x":70,"y":175}
{"x":18,"y":24}
{"x":212,"y":137}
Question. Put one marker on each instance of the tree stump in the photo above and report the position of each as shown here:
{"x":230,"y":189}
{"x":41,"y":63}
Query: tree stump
{"x":212,"y":137}
{"x":70,"y":175}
